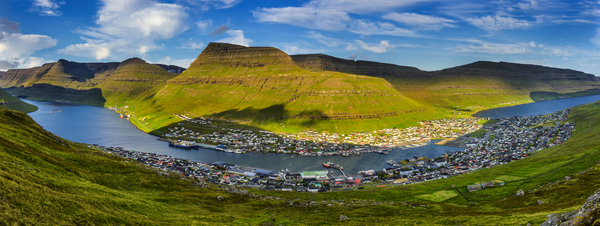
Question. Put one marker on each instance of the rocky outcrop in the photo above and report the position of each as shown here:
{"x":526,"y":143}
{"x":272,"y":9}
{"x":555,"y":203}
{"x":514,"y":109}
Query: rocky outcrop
{"x":240,"y":56}
{"x":589,"y":214}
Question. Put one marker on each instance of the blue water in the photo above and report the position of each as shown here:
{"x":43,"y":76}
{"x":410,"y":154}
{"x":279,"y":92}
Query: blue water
{"x":96,"y":125}
{"x":537,"y":108}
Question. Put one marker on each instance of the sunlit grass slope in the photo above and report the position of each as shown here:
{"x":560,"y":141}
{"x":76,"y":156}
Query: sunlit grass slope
{"x":263,"y":86}
{"x":47,"y":180}
{"x":468,"y":88}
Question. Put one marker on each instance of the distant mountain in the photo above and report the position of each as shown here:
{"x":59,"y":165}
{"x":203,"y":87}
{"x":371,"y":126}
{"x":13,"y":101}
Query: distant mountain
{"x":263,"y":87}
{"x":87,"y":83}
{"x":470,"y":87}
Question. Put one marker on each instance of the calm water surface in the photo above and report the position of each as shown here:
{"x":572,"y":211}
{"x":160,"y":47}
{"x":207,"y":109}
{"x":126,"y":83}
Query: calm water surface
{"x":537,"y":108}
{"x":96,"y":125}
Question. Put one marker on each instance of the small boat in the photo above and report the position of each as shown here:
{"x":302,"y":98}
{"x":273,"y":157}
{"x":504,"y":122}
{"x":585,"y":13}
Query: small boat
{"x":121,"y":116}
{"x":328,"y":164}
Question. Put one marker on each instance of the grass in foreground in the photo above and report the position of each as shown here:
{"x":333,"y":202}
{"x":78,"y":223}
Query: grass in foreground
{"x":48,"y":180}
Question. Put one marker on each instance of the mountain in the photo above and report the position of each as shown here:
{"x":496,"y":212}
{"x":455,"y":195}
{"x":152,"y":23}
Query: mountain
{"x":476,"y":86}
{"x":131,"y":78}
{"x":87,"y":83}
{"x":8,"y":101}
{"x":23,"y":77}
{"x":264,"y":87}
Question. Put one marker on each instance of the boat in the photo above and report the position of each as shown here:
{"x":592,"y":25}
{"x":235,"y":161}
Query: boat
{"x":327,"y":164}
{"x":121,"y":116}
{"x":179,"y":145}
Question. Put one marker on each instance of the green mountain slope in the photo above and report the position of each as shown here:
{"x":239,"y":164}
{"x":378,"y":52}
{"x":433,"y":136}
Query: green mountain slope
{"x":97,"y":84}
{"x":133,"y":77}
{"x":263,"y":87}
{"x":476,"y":86}
{"x":47,"y":180}
{"x":10,"y":102}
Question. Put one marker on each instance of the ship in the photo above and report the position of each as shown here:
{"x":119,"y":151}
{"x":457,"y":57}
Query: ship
{"x":333,"y":165}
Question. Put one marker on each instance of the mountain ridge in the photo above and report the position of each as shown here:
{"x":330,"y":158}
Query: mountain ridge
{"x":269,"y":89}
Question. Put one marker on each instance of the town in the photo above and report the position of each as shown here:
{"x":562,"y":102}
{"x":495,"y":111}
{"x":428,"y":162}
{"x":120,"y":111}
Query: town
{"x":508,"y":139}
{"x":313,"y":143}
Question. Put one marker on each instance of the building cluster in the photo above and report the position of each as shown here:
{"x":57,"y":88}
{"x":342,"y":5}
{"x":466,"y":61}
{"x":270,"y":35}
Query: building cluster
{"x":509,"y":139}
{"x":315,"y":143}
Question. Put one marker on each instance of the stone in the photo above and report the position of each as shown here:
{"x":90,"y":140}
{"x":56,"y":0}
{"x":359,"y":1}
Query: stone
{"x":220,"y":198}
{"x":588,"y":214}
{"x":342,"y":217}
{"x":520,"y":193}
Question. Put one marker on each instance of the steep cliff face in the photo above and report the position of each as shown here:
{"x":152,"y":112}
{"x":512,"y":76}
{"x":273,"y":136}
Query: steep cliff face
{"x":133,"y":77}
{"x":263,"y":85}
{"x":321,"y":62}
{"x":470,"y":87}
{"x":240,"y":56}
{"x":23,"y":77}
{"x":75,"y":75}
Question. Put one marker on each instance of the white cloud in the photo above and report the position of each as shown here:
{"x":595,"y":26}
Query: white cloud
{"x":596,"y":39}
{"x":365,"y":27}
{"x":509,"y":49}
{"x":205,"y":5}
{"x":498,"y":22}
{"x":192,"y":45}
{"x":184,"y":63}
{"x":204,"y":25}
{"x":129,"y":27}
{"x":382,"y":47}
{"x":494,"y":48}
{"x":237,"y":37}
{"x":329,"y":42}
{"x":307,"y":17}
{"x":421,"y":21}
{"x":18,"y":45}
{"x":46,"y":7}
{"x":16,"y":48}
{"x":528,"y":4}
{"x":328,"y":14}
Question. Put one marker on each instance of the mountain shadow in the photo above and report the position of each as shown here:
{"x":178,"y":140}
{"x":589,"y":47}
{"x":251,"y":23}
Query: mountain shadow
{"x":47,"y":92}
{"x":248,"y":118}
{"x":543,"y":96}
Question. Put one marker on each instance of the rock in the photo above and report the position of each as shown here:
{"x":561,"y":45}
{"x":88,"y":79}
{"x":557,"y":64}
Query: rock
{"x":540,"y":202}
{"x":589,"y":214}
{"x":220,"y":198}
{"x":520,"y":193}
{"x":342,"y":217}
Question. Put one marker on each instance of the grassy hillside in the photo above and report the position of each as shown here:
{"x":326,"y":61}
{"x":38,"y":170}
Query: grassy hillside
{"x":47,"y":180}
{"x":132,"y":78}
{"x":264,"y":88}
{"x":10,"y":102}
{"x":467,"y":88}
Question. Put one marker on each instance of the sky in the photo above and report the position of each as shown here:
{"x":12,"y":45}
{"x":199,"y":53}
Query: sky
{"x":427,"y":34}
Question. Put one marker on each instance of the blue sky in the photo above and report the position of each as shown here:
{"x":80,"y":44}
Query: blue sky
{"x":427,"y":34}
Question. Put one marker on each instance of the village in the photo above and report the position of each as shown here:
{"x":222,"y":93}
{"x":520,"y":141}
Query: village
{"x":509,"y":139}
{"x":313,"y":143}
